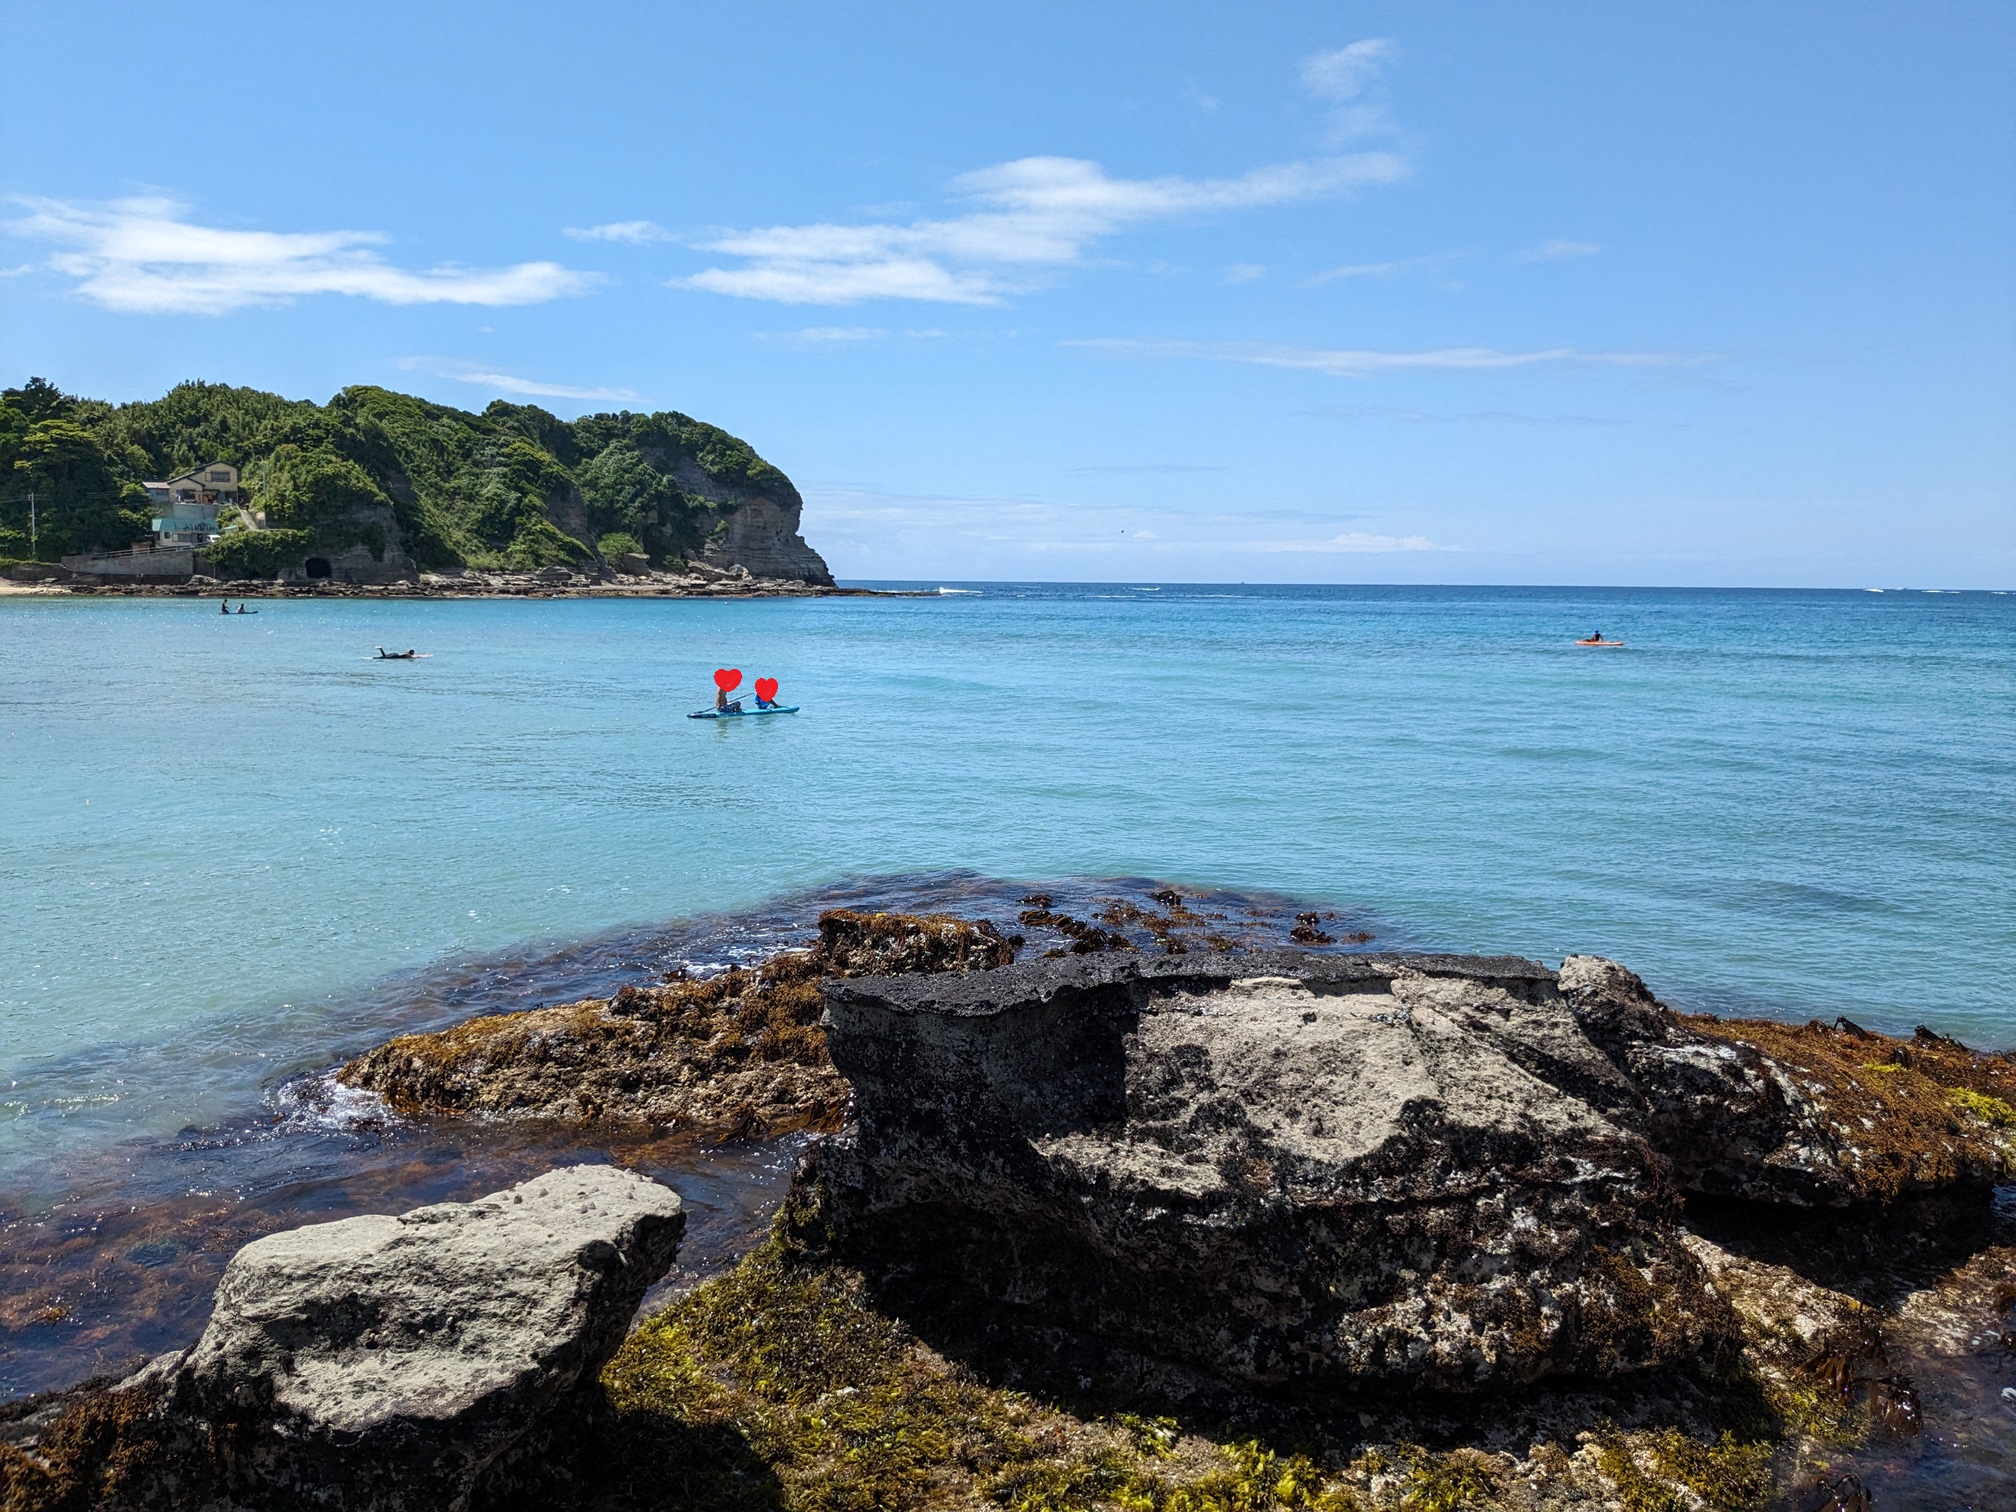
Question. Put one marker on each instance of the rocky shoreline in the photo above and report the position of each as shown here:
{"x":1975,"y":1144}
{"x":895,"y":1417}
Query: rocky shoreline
{"x":546,"y":583}
{"x":1143,"y":1222}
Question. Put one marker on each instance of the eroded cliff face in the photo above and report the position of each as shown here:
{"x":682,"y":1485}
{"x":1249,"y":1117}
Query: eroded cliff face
{"x":756,"y":531}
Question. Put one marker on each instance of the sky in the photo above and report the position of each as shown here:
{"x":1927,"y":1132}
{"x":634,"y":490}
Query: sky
{"x":1716,"y":294}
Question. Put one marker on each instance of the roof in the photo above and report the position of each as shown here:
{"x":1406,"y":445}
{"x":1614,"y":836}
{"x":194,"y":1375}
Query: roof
{"x":194,"y":475}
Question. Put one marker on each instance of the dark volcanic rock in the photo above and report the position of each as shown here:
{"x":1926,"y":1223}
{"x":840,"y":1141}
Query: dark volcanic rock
{"x":1391,"y":1171}
{"x":378,"y":1363}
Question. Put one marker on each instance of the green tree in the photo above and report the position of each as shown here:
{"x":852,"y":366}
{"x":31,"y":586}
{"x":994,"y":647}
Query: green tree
{"x":78,"y":503}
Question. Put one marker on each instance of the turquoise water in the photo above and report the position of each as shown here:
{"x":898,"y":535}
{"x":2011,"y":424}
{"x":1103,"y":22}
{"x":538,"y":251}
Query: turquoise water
{"x":222,"y":835}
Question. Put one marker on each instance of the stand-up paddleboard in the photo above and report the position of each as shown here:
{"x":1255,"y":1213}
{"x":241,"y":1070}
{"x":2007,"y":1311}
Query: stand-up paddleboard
{"x":1604,"y":645}
{"x":743,"y":713}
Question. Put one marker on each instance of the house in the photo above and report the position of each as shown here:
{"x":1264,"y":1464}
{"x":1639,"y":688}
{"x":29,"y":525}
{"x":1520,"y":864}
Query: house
{"x":185,"y":508}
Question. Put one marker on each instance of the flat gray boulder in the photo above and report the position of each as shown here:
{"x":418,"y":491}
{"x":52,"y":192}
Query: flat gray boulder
{"x":388,"y":1363}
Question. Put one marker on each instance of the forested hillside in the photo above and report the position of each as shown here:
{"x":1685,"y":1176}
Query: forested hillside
{"x":512,"y":488}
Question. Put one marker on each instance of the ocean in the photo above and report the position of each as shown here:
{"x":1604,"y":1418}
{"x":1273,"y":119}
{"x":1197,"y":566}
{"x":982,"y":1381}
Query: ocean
{"x":234,"y":850}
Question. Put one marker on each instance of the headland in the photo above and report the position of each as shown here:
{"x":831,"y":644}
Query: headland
{"x":376,"y":489}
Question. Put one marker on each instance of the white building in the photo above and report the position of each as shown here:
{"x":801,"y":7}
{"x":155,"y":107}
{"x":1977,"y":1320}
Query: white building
{"x":185,"y":508}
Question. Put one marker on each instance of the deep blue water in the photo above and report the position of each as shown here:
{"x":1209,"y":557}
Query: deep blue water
{"x":222,"y":836}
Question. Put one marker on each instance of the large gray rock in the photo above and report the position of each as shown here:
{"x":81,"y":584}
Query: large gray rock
{"x":1393,"y":1171}
{"x":387,"y":1363}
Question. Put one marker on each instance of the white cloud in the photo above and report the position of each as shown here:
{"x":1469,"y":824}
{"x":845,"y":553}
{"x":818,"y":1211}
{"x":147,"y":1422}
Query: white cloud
{"x":1033,"y":215}
{"x":1341,"y":76}
{"x":982,"y":533}
{"x":1343,"y":73}
{"x":637,"y":233}
{"x":1492,"y":417}
{"x":841,"y":333}
{"x":1240,"y":273}
{"x":813,"y":334}
{"x":1351,"y":363}
{"x":1354,"y":543}
{"x":461,"y":371}
{"x":1550,"y":251}
{"x":1382,"y":269}
{"x":142,"y":256}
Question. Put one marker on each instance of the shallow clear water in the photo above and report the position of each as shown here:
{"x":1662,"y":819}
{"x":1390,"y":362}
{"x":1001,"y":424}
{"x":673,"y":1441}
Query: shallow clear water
{"x":111,"y":1253}
{"x":220,"y":833}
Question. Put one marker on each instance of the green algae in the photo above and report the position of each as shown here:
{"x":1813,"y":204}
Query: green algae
{"x":1668,"y":1471}
{"x":1990,"y":1110}
{"x":1448,"y":1482}
{"x":809,"y":1399}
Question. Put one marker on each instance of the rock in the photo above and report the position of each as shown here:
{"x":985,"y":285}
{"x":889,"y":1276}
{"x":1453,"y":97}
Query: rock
{"x":1373,"y":1172}
{"x":554,"y":574}
{"x":739,"y":1054}
{"x":633,"y":563}
{"x":852,"y":943}
{"x":388,"y":1363}
{"x":1393,"y":1171}
{"x":1814,"y":1115}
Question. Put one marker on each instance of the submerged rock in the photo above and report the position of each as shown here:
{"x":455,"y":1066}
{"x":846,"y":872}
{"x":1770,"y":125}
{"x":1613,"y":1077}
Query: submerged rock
{"x":378,"y":1363}
{"x":737,"y":1054}
{"x":1386,"y":1171}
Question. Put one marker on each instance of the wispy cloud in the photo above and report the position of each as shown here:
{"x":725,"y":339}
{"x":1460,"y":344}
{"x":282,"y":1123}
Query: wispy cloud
{"x":1353,"y":543}
{"x":1383,"y":269}
{"x":460,"y":371}
{"x":979,"y":531}
{"x":144,"y":256}
{"x":813,"y":335}
{"x":1343,"y":73}
{"x":1032,"y":216}
{"x":1240,"y":273}
{"x":1553,"y":251}
{"x":1489,"y":417}
{"x":1353,"y":363}
{"x":638,"y":233}
{"x":1152,"y":467}
{"x":1342,"y":76}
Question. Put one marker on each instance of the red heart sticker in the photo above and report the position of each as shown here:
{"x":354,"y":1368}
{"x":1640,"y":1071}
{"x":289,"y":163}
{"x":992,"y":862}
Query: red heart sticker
{"x":766,"y":688}
{"x":726,"y":678}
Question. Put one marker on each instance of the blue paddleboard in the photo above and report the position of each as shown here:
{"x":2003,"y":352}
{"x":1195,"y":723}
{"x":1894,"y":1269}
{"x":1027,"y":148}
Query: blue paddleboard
{"x":743,"y":713}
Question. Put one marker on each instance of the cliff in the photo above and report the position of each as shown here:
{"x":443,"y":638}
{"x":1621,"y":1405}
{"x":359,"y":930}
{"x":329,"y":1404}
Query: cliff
{"x":376,"y":486}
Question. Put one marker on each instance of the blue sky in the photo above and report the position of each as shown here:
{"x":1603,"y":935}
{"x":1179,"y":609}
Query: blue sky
{"x":1556,"y":293}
